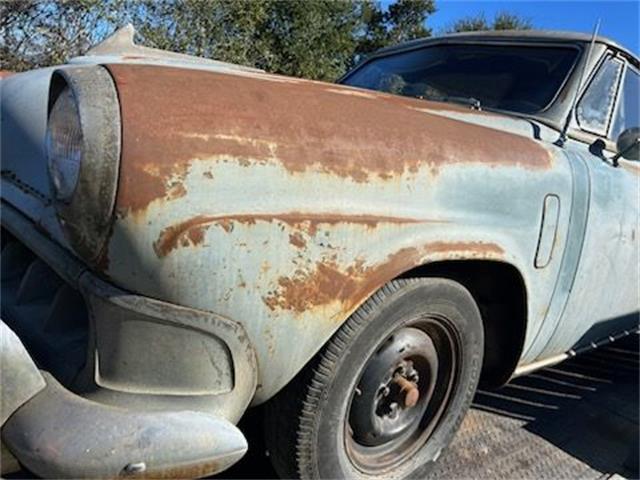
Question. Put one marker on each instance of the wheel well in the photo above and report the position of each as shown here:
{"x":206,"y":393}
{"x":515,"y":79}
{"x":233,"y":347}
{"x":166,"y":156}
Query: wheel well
{"x":499,"y":291}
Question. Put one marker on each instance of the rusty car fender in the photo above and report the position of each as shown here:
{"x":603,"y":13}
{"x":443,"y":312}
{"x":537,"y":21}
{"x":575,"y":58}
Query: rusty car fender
{"x":283,"y":204}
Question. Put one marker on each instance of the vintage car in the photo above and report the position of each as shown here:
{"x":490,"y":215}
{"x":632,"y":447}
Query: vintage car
{"x":184,"y":239}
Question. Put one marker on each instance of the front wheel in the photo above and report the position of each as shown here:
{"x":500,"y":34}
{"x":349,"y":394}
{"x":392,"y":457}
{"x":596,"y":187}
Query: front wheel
{"x":387,"y":393}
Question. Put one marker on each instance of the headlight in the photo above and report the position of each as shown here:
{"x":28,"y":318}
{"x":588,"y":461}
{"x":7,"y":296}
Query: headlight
{"x":82,"y":146}
{"x":64,"y":145}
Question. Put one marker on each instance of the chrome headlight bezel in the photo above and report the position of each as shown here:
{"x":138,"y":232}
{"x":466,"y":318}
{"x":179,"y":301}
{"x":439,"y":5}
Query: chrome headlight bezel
{"x":85,"y":207}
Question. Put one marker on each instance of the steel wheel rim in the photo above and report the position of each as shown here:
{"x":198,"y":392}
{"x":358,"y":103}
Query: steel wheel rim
{"x":435,"y":395}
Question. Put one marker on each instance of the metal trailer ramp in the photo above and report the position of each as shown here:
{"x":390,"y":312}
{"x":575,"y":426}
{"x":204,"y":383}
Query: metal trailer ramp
{"x":578,"y":419}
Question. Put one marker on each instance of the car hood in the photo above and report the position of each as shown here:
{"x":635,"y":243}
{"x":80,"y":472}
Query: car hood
{"x":173,"y":118}
{"x":174,"y":115}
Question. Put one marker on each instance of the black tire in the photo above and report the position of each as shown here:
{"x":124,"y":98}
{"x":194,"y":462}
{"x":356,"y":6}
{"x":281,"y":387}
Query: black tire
{"x":309,"y":425}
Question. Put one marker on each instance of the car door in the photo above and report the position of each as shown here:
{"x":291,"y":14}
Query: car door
{"x":604,"y":298}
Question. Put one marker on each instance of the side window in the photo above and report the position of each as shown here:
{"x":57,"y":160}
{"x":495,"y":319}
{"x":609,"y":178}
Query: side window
{"x":594,"y":109}
{"x":628,"y":113}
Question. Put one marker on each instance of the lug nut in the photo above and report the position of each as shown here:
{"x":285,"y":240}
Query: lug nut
{"x":410,"y":390}
{"x":383,"y":392}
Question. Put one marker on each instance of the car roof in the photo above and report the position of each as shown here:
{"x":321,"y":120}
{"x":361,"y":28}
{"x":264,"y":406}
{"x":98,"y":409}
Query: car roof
{"x":543,"y":36}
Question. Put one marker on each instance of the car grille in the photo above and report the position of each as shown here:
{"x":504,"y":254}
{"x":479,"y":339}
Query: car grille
{"x":48,"y":315}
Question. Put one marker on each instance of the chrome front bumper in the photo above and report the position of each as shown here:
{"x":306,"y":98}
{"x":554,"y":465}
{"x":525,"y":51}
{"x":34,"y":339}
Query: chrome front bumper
{"x":58,"y":434}
{"x":112,"y":383}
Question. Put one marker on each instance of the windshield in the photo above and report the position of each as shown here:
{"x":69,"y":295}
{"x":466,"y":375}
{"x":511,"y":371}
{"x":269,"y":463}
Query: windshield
{"x":522,"y":79}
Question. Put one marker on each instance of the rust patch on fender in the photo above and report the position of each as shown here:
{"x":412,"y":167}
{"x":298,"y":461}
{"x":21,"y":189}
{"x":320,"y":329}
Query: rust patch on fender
{"x":190,"y":232}
{"x":328,"y":282}
{"x":299,"y":125}
{"x":453,"y":248}
{"x":179,"y":234}
{"x":176,"y":190}
{"x":351,"y":286}
{"x":196,"y":235}
{"x":297,"y":240}
{"x":307,"y":290}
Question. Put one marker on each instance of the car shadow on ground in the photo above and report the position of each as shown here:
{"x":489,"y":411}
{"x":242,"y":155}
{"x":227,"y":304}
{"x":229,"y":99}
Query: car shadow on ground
{"x":578,"y":419}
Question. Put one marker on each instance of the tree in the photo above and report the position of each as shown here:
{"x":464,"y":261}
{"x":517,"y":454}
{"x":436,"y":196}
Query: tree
{"x":318,"y":39}
{"x":404,"y":20}
{"x":469,"y":24}
{"x":511,"y":21}
{"x":501,"y":21}
{"x":36,"y":33}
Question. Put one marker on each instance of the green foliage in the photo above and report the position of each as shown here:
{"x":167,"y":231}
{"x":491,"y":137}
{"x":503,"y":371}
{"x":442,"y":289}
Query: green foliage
{"x":469,"y":24}
{"x":502,"y":21}
{"x":36,"y":33}
{"x":404,"y":20}
{"x":510,"y":21}
{"x":317,"y":39}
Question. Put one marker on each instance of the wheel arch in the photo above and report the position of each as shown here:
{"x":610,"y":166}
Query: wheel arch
{"x":500,"y":291}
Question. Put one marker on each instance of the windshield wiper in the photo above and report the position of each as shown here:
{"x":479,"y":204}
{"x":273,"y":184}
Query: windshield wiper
{"x":474,"y":103}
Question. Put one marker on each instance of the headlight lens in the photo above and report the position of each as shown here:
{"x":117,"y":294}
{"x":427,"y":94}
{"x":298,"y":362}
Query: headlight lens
{"x":64,"y":145}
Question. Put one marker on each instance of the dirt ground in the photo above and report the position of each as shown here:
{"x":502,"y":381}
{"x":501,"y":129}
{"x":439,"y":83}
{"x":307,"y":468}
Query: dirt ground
{"x":578,"y":419}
